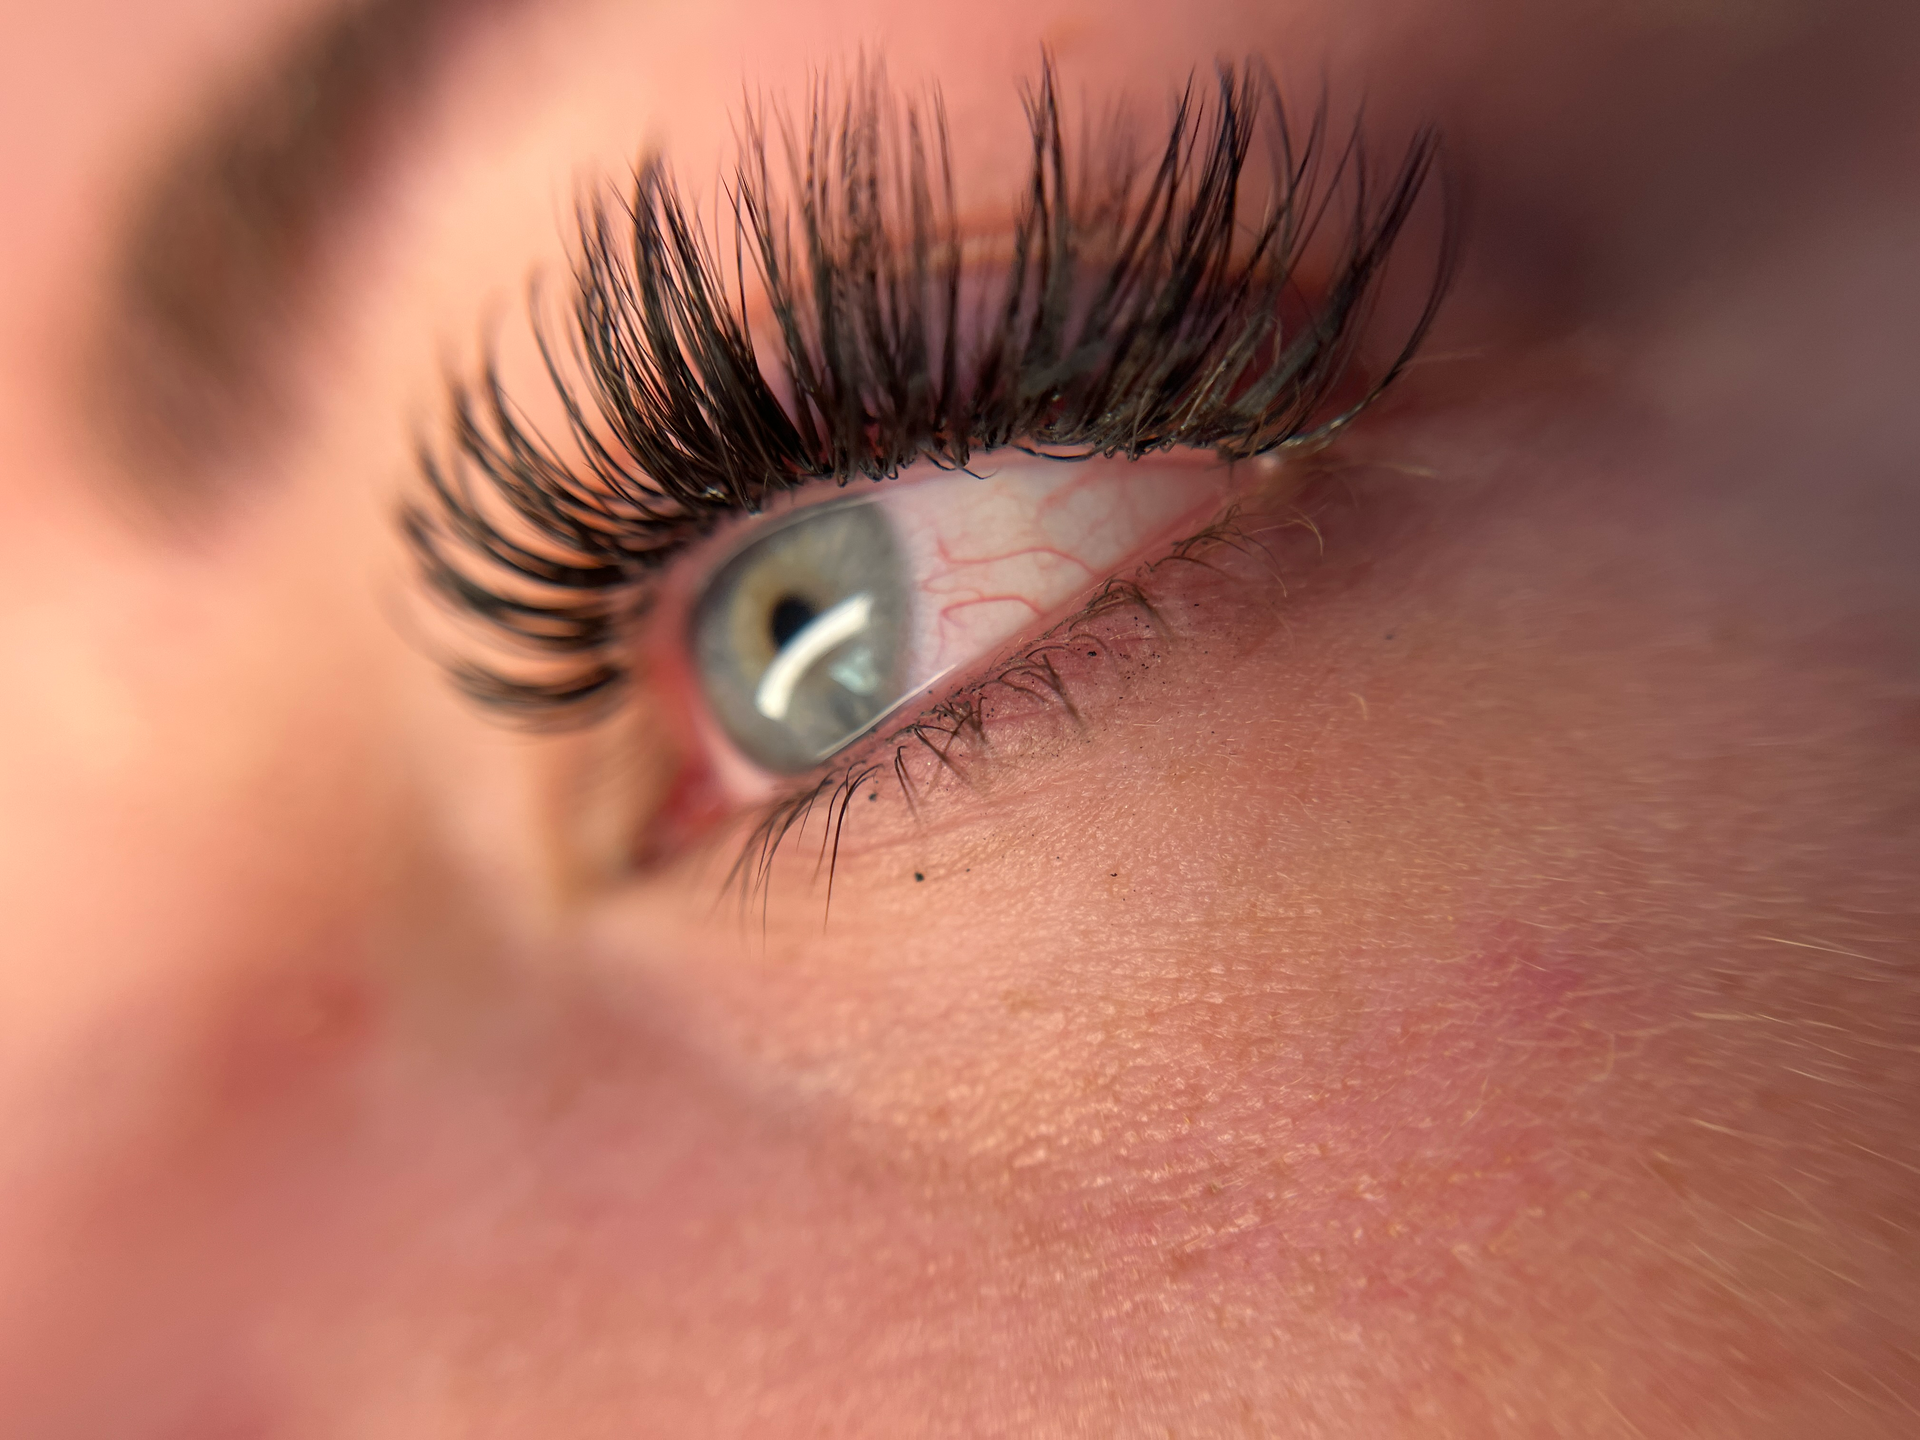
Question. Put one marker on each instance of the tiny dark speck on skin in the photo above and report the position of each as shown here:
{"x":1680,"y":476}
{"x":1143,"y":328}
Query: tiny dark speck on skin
{"x":918,"y":876}
{"x":1389,"y":634}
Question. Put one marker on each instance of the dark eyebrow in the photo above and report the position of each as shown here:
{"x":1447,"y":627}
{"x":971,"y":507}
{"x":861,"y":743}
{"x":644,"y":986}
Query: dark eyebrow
{"x":216,"y":271}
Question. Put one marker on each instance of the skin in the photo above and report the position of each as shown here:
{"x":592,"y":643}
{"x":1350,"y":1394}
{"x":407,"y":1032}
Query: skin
{"x":1456,"y":979}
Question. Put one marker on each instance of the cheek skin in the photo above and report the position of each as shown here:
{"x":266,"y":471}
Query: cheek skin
{"x":1419,"y":982}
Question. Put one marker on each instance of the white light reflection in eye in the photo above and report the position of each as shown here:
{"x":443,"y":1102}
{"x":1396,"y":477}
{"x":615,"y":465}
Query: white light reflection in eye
{"x":819,"y":625}
{"x":810,"y":645}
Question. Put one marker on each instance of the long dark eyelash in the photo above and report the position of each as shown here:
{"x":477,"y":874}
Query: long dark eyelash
{"x":1139,"y":307}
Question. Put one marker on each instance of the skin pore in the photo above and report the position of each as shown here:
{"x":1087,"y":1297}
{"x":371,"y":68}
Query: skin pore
{"x":1455,"y":977}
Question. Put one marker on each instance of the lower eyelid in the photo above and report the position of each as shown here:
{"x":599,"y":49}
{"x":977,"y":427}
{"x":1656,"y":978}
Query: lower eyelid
{"x":1079,"y":680}
{"x":1000,"y":559}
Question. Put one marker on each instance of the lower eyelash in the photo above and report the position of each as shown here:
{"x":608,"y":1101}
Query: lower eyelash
{"x":1145,"y":306}
{"x":953,"y":732}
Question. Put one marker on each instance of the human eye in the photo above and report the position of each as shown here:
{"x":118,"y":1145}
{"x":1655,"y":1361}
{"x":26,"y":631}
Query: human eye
{"x":826,"y":461}
{"x":814,"y":629}
{"x":1405,"y":930}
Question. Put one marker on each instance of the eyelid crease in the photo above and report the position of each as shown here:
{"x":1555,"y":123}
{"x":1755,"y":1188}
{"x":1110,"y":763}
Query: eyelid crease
{"x":1140,"y":310}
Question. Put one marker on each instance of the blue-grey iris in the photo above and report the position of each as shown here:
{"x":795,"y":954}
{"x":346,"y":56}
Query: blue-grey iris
{"x":798,"y":638}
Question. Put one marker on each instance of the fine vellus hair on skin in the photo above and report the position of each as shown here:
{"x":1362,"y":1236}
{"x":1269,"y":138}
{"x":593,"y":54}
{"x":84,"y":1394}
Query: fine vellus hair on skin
{"x":1138,"y":303}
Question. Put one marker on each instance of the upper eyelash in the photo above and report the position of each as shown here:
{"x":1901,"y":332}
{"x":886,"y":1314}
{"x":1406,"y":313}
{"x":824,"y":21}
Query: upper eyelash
{"x":1139,"y":312}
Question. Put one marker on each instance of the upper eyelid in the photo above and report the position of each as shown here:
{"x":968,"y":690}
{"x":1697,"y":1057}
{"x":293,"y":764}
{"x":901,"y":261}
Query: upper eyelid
{"x":678,"y":426}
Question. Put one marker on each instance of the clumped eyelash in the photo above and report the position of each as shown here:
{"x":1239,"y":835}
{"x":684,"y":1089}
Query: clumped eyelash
{"x":1140,"y":308}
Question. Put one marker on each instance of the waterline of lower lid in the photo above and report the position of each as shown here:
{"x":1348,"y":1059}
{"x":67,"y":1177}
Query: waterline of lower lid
{"x":826,"y":631}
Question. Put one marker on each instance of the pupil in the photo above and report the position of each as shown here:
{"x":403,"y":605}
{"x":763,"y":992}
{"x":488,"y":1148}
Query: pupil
{"x":790,"y":616}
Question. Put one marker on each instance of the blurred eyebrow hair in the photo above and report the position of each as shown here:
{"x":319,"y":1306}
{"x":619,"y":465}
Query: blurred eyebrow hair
{"x":213,"y":280}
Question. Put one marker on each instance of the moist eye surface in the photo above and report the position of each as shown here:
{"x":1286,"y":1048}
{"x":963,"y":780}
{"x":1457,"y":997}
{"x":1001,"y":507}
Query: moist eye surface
{"x":798,"y":639}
